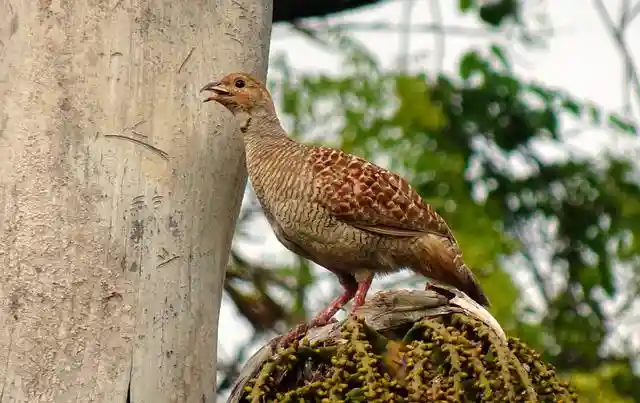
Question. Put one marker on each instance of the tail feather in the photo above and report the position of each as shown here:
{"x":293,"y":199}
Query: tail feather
{"x":441,"y":259}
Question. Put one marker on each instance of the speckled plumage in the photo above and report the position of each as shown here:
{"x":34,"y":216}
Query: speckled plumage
{"x":346,"y":214}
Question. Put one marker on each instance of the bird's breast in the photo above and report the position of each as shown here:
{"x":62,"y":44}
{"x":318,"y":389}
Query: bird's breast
{"x":277,"y":172}
{"x":283,"y":184}
{"x":309,"y":230}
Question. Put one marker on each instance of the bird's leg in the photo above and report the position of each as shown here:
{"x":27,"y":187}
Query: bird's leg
{"x":364,"y":280}
{"x":350,"y":287}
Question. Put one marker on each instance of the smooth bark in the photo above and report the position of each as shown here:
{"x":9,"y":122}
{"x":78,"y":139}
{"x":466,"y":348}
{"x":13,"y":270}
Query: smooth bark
{"x":119,"y":193}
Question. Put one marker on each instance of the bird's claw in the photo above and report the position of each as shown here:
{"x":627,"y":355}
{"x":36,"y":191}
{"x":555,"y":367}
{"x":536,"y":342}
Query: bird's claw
{"x":293,"y":334}
{"x":300,"y":330}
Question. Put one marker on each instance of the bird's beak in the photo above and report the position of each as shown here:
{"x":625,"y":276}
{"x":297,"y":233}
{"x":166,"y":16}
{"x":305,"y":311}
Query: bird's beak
{"x":217,"y":88}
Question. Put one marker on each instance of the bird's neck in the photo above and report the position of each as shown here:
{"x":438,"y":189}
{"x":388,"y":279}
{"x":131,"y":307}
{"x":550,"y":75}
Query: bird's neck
{"x":268,"y":151}
{"x":262,"y":128}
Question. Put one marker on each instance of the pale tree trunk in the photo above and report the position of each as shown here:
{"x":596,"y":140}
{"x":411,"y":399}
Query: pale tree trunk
{"x":119,"y":194}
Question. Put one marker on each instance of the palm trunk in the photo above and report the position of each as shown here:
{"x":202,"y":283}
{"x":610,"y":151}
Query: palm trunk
{"x":119,"y":194}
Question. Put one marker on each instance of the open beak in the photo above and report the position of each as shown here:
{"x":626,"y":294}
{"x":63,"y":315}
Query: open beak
{"x":217,"y":88}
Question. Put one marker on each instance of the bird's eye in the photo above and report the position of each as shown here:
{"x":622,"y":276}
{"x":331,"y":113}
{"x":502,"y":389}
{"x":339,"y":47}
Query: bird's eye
{"x":240,"y":84}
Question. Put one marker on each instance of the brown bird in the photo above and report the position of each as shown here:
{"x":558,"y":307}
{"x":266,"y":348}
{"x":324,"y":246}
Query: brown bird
{"x":340,"y":211}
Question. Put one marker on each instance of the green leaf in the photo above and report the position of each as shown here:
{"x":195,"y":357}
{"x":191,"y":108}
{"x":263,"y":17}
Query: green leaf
{"x":618,"y":123}
{"x":495,"y":12}
{"x":544,"y":93}
{"x":465,"y":5}
{"x":572,"y":107}
{"x":550,"y":121}
{"x":595,"y":115}
{"x":498,"y":52}
{"x":416,"y":106}
{"x":470,"y":63}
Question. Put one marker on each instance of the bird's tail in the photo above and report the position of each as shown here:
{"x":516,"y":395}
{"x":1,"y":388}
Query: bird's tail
{"x":441,"y":259}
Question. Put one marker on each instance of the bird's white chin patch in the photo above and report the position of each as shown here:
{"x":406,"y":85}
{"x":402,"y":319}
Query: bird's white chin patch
{"x":243,"y":119}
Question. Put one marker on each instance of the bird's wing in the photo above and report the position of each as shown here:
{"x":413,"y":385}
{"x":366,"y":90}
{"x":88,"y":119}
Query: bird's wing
{"x":371,"y":198}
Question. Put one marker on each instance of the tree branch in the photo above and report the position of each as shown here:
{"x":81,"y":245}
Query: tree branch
{"x":618,"y":36}
{"x":440,"y":39}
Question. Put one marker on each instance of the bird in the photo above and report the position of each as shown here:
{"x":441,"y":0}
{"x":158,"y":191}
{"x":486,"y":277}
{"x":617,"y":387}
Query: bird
{"x":346,"y":214}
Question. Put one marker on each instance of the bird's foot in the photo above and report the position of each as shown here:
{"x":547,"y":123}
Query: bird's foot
{"x":353,"y":314}
{"x":300,"y":330}
{"x":294,"y":334}
{"x":364,"y":283}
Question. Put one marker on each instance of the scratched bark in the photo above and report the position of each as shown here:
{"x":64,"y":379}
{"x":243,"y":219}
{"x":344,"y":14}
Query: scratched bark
{"x":119,"y":194}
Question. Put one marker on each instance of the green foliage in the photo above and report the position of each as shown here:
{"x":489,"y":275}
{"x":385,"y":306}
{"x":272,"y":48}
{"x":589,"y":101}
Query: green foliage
{"x":495,"y":13}
{"x":602,"y":384}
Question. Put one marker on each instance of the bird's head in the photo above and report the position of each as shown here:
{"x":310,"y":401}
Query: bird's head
{"x":240,"y":93}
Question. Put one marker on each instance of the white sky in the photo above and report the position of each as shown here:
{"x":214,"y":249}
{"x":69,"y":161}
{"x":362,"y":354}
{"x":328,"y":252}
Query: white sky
{"x":580,"y":58}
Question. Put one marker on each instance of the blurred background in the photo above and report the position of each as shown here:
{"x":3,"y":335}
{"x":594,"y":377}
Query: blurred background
{"x":516,"y":120}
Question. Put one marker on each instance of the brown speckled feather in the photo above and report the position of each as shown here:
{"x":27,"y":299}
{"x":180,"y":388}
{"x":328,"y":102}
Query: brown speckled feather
{"x":370,"y":197}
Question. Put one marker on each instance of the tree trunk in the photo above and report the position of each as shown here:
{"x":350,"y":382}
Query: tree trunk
{"x":118,"y":194}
